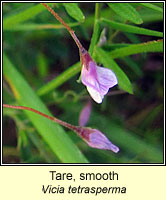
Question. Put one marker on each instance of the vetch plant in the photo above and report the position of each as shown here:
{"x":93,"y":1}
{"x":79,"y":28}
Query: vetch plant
{"x":98,"y":80}
{"x":42,"y":72}
{"x":93,"y":137}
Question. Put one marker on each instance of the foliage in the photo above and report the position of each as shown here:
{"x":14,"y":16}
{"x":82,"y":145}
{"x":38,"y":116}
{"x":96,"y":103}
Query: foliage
{"x":40,"y":64}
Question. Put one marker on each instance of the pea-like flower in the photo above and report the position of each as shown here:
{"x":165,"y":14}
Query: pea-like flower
{"x":97,"y":79}
{"x":94,"y":138}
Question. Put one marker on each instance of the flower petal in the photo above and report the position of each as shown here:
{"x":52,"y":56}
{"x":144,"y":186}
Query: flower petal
{"x":98,"y":80}
{"x":96,"y":139}
{"x":106,"y":79}
{"x":85,"y":114}
{"x":96,"y":96}
{"x":89,"y":76}
{"x":100,"y":141}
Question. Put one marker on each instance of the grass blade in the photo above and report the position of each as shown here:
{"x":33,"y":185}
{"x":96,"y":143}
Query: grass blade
{"x":53,"y":134}
{"x":22,"y":16}
{"x":151,"y":6}
{"x":126,"y":11}
{"x":152,"y":46}
{"x":131,"y":28}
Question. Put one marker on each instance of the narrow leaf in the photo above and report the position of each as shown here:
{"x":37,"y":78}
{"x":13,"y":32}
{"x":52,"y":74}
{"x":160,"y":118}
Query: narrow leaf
{"x":126,"y":11}
{"x":74,"y":11}
{"x":52,"y":133}
{"x":22,"y":16}
{"x":151,"y":16}
{"x":151,"y":6}
{"x":131,"y":28}
{"x":123,"y":81}
{"x":152,"y":46}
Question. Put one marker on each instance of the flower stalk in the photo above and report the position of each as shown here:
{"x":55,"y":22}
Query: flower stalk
{"x":97,"y":79}
{"x":92,"y":137}
{"x":71,"y":31}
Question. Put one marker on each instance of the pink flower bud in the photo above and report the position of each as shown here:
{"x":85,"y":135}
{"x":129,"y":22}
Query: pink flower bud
{"x":94,"y":138}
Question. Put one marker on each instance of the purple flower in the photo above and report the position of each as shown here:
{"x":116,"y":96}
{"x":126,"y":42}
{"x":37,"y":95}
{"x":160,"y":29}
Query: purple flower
{"x":94,"y":138}
{"x":97,"y":79}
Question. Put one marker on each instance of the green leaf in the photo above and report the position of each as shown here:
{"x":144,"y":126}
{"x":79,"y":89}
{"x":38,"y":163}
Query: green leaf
{"x":22,"y":16}
{"x":123,"y":81}
{"x":52,"y":133}
{"x":151,"y":16}
{"x":63,"y":77}
{"x":126,"y":11}
{"x":152,"y":46}
{"x":151,"y":6}
{"x":131,"y":28}
{"x":74,"y":11}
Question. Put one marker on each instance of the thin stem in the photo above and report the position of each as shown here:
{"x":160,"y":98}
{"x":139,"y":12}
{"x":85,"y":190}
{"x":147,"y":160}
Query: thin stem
{"x":97,"y":11}
{"x":65,"y":124}
{"x":65,"y":25}
{"x":95,"y":29}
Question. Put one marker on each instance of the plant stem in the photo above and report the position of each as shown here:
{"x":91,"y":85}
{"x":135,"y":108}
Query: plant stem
{"x":65,"y":124}
{"x":65,"y":25}
{"x":95,"y":29}
{"x":97,"y":11}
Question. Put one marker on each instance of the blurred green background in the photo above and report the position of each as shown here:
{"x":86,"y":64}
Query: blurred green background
{"x":38,"y":49}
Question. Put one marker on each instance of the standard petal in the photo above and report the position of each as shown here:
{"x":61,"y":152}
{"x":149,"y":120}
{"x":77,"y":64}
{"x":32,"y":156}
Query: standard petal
{"x":106,"y":77}
{"x":90,"y":79}
{"x":89,"y":76}
{"x":98,"y":80}
{"x":96,"y":96}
